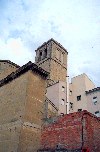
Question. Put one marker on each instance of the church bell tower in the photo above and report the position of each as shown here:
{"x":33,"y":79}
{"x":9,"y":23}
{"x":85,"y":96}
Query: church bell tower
{"x":52,"y":57}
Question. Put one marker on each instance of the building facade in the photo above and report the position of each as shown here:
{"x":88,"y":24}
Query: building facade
{"x":56,"y":93}
{"x":80,"y":98}
{"x":6,"y":68}
{"x":24,"y":106}
{"x":22,"y":109}
{"x":52,"y":57}
{"x":34,"y":93}
{"x":93,"y":98}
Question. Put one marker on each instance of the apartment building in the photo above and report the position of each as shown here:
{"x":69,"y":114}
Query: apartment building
{"x":83,"y":95}
{"x":93,"y":98}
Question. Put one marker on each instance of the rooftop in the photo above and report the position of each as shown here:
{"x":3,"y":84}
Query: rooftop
{"x":93,"y":90}
{"x":23,"y":69}
{"x":45,"y":43}
{"x":8,"y":61}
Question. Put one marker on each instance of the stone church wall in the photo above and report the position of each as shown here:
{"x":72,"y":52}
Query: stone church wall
{"x":55,"y":61}
{"x":34,"y":114}
{"x":58,"y":72}
{"x":6,"y":69}
{"x":22,"y":113}
{"x":12,"y":106}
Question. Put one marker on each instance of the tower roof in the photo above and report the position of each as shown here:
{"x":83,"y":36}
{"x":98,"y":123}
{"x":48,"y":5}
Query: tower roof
{"x":52,"y":40}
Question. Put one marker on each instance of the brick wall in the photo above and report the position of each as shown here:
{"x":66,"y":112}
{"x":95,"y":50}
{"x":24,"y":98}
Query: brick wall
{"x":73,"y":131}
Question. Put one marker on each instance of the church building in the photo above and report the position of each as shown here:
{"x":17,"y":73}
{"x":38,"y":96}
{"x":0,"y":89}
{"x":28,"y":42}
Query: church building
{"x":24,"y":104}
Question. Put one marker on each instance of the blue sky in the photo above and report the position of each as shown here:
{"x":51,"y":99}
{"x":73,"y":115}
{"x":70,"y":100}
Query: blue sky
{"x":26,"y":24}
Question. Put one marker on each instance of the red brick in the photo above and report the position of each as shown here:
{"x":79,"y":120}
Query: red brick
{"x":68,"y":131}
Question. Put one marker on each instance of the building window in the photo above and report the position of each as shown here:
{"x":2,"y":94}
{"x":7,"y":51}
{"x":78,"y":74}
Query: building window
{"x":70,"y":92}
{"x":63,"y":88}
{"x":79,"y":110}
{"x":94,"y":100}
{"x":97,"y":113}
{"x":45,"y":53}
{"x":78,"y":98}
{"x":71,"y":105}
{"x":62,"y":102}
{"x":40,"y":56}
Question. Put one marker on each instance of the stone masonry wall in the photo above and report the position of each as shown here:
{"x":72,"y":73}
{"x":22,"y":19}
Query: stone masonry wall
{"x":6,"y":69}
{"x":34,"y":114}
{"x":55,"y":62}
{"x":57,"y":71}
{"x":12,"y":107}
{"x":9,"y":136}
{"x":22,"y":113}
{"x":12,"y":99}
{"x":45,"y":64}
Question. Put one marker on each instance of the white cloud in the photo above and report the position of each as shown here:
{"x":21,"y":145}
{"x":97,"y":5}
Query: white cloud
{"x":25,"y":25}
{"x":15,"y":51}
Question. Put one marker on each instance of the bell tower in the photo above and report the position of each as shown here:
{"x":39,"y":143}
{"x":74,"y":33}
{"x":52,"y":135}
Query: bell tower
{"x":52,"y":57}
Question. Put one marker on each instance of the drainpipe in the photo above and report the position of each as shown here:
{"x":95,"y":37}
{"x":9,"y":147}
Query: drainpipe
{"x":67,"y":94}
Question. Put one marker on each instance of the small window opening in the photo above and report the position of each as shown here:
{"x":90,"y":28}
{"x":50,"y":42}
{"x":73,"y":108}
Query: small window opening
{"x":97,"y":113}
{"x":71,"y":105}
{"x":40,"y":56}
{"x":45,"y":53}
{"x":70,"y":92}
{"x":79,"y":110}
{"x":63,"y":88}
{"x":94,"y":100}
{"x":78,"y":98}
{"x":62,"y":102}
